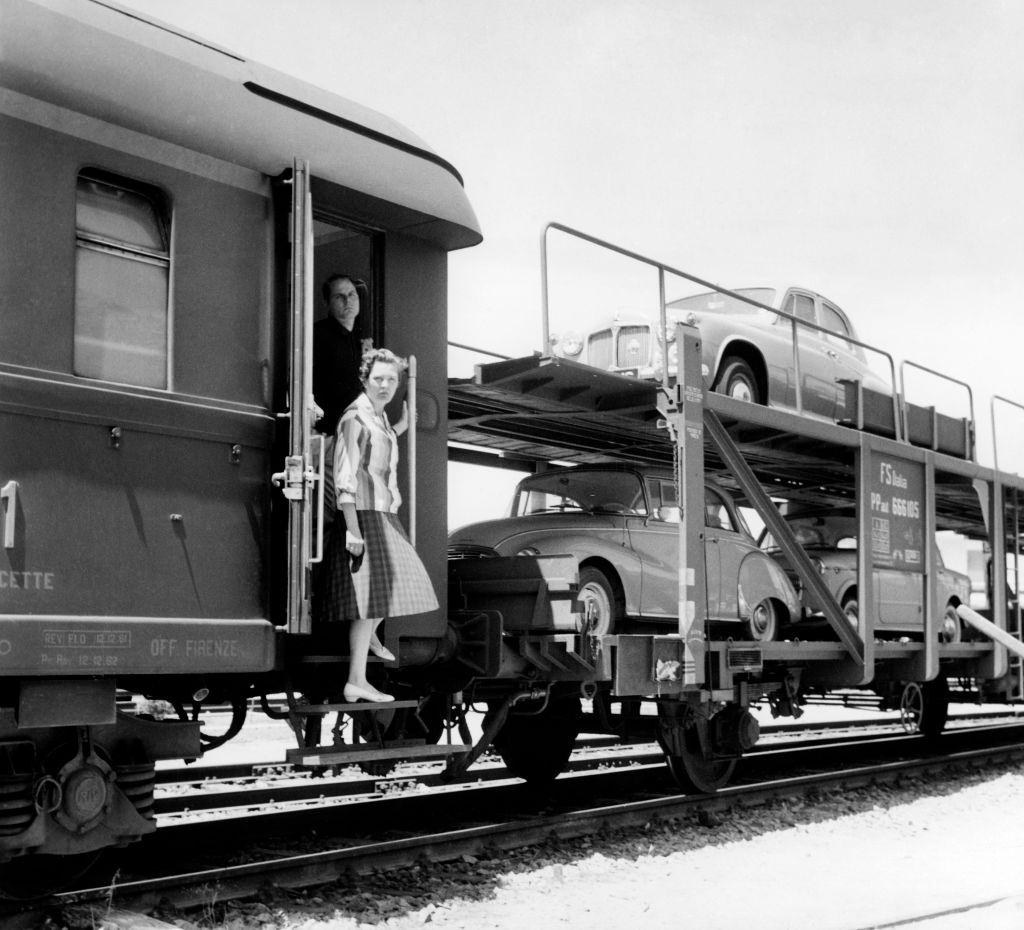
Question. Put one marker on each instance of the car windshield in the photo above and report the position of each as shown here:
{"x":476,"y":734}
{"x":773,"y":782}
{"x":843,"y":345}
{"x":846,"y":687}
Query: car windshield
{"x":715,"y":302}
{"x":580,"y":491}
{"x":818,"y":533}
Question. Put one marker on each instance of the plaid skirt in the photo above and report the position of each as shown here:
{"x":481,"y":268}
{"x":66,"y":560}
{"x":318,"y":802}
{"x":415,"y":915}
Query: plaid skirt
{"x":391,"y":580}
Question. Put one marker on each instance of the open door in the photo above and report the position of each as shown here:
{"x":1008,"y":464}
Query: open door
{"x":301,"y":481}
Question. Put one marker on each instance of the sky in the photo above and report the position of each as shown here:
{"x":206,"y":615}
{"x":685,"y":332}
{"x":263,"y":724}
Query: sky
{"x":870,"y":150}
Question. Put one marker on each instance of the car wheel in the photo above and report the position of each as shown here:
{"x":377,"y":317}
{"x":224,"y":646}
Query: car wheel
{"x":600,"y":611}
{"x":951,"y":631}
{"x":850,"y":610}
{"x":736,"y":379}
{"x":763,"y":622}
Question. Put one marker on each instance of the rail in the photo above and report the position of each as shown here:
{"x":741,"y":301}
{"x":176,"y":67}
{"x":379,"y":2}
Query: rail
{"x":459,"y":345}
{"x":662,"y":268}
{"x":995,"y":434}
{"x":584,"y":812}
{"x":904,"y":365}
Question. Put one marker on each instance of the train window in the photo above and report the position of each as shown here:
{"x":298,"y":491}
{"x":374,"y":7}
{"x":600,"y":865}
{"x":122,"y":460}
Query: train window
{"x":122,"y":281}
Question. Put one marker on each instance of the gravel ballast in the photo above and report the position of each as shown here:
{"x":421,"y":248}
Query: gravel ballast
{"x":865,"y":858}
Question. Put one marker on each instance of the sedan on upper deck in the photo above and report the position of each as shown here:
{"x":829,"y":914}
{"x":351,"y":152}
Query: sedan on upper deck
{"x":747,"y":351}
{"x":622,"y":526}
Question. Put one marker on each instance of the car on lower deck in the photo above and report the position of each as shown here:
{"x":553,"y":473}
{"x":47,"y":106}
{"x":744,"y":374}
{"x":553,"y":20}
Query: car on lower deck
{"x":622,"y":526}
{"x":830,"y":539}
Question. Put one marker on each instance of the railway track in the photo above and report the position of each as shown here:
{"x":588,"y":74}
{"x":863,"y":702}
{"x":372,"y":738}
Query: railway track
{"x":246,"y":785}
{"x":394,"y":831}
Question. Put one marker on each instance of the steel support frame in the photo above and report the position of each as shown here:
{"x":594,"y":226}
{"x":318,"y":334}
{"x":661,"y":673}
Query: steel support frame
{"x":684,"y":411}
{"x":779,"y":528}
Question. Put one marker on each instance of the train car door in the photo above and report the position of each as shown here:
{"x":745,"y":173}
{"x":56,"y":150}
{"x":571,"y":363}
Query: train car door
{"x":301,"y":479}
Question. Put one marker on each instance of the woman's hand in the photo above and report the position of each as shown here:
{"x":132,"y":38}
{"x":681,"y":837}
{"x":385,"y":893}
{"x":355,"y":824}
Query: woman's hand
{"x":403,"y":421}
{"x":353,"y":543}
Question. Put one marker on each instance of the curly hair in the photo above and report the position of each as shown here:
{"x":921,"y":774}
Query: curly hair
{"x":385,"y":356}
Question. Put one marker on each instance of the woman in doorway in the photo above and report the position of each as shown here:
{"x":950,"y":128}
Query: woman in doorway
{"x":373,"y":571}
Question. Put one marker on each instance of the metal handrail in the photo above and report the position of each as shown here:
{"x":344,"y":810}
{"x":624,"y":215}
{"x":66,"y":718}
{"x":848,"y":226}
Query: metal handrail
{"x":995,"y":438}
{"x":459,"y":345}
{"x":410,"y":428}
{"x":938,"y":374}
{"x":663,"y":268}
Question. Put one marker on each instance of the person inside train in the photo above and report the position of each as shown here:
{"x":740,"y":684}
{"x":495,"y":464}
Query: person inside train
{"x":372,"y":570}
{"x":337,"y":349}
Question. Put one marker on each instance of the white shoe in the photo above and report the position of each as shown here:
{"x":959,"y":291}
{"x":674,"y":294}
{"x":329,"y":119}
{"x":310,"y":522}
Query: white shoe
{"x":354,"y":693}
{"x":381,"y":651}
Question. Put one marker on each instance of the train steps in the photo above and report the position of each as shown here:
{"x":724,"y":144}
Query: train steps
{"x":373,"y":745}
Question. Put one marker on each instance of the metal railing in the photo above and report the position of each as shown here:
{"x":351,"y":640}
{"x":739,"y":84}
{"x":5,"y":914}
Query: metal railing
{"x":662,"y":269}
{"x":995,"y":433}
{"x":904,"y":365}
{"x":459,"y":345}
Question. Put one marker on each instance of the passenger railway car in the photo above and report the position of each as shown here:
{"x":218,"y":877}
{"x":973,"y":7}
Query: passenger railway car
{"x":170,"y":210}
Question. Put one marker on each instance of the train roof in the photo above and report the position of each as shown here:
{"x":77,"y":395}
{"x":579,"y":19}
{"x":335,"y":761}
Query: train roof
{"x":115,"y":65}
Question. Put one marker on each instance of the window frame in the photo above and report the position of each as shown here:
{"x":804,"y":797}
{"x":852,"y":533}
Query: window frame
{"x":162,"y":208}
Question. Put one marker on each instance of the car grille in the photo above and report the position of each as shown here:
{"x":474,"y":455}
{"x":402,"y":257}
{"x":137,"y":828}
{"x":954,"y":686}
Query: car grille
{"x":599,"y":349}
{"x":633,"y":346}
{"x":470,"y":551}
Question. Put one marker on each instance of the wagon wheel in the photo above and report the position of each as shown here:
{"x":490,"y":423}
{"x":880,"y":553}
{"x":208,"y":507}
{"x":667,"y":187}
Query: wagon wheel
{"x":924,"y":708}
{"x":696,"y":775}
{"x":536,"y":747}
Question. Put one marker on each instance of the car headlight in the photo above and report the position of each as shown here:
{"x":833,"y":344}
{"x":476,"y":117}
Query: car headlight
{"x":819,"y":566}
{"x":692,"y":319}
{"x":529,"y":550}
{"x":570,"y":344}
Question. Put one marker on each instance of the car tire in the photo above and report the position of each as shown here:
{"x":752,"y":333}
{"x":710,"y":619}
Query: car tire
{"x":851,"y":610}
{"x":763,"y":623}
{"x":951,"y":630}
{"x":600,"y":607}
{"x":737,"y":379}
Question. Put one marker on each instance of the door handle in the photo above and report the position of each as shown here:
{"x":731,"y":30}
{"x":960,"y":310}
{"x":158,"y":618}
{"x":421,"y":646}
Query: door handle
{"x":318,"y":477}
{"x":291,"y":481}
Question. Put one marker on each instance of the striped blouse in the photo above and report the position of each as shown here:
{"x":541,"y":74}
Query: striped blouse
{"x":366,"y":459}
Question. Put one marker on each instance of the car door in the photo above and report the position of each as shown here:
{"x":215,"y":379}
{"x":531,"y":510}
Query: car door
{"x":818,"y":369}
{"x":722,"y":556}
{"x":654,"y":538}
{"x":900,"y":599}
{"x":849,"y":359}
